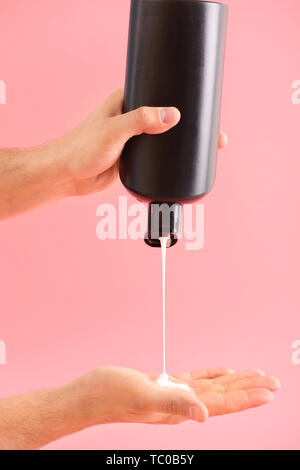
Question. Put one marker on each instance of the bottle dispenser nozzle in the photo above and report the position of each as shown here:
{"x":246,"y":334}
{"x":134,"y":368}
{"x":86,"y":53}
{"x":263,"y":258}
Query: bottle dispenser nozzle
{"x":164,"y":220}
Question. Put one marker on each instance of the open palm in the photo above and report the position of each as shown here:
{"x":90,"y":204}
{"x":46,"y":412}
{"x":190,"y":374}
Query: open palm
{"x":223,"y":391}
{"x":117,"y":394}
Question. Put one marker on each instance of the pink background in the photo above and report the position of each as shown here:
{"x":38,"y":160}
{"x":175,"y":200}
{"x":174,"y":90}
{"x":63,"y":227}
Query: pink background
{"x":70,"y":302}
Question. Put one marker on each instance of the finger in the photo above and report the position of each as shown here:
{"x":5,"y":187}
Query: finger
{"x":107,"y":178}
{"x":240,"y":381}
{"x":235,"y":400}
{"x":178,"y":403}
{"x":113,"y":104}
{"x":203,"y":374}
{"x":223,"y":140}
{"x":119,"y":129}
{"x":239,"y":375}
{"x":271,"y":383}
{"x":211,"y":373}
{"x":168,"y":419}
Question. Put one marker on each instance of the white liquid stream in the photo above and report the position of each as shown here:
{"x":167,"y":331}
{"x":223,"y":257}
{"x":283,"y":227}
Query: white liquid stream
{"x":164,"y":379}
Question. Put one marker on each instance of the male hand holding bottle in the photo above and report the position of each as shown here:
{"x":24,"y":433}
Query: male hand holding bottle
{"x":82,"y":162}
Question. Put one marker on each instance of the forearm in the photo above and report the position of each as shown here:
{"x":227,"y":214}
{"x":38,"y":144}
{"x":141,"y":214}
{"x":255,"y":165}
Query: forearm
{"x":33,"y":420}
{"x":33,"y":177}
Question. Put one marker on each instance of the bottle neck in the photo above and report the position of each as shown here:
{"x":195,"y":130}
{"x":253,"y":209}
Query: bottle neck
{"x":164,"y":220}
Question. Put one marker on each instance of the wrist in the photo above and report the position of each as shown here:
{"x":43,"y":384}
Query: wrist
{"x":67,"y":409}
{"x":33,"y":177}
{"x":53,"y":157}
{"x":89,"y":401}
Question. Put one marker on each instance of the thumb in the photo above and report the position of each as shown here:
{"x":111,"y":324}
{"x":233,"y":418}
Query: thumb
{"x":180,"y":403}
{"x":146,"y":120}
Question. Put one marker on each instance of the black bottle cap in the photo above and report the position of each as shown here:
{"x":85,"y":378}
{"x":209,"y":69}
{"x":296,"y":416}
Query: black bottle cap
{"x":164,"y":220}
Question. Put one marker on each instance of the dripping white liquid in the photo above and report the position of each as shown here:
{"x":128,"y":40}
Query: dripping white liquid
{"x":164,"y":379}
{"x":163,"y":244}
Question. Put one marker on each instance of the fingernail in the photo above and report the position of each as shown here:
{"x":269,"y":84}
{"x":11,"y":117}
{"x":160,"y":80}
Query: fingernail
{"x":166,"y":115}
{"x":193,"y":412}
{"x":276,"y":383}
{"x":260,"y":372}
